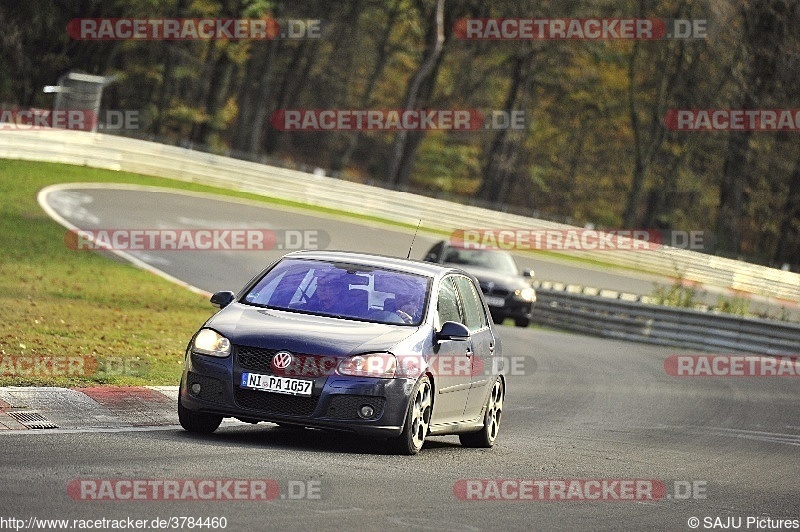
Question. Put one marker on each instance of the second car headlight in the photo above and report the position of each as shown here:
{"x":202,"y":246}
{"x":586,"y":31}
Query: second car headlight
{"x":526,"y":294}
{"x":372,"y":365}
{"x":208,"y":342}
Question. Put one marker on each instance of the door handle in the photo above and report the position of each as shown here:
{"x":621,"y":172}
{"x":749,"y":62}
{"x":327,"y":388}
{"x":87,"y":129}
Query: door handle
{"x":469,"y":352}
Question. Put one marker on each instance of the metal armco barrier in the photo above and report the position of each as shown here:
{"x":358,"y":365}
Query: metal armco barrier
{"x":149,"y":158}
{"x":686,"y":328}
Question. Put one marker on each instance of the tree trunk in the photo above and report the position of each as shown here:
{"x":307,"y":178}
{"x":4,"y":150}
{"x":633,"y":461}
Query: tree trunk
{"x":340,"y":161}
{"x":163,"y":98}
{"x":734,"y":175}
{"x":257,"y":69}
{"x":217,"y":92}
{"x":292,"y":86}
{"x":788,"y":250}
{"x":764,"y":33}
{"x":415,"y":138}
{"x":646,"y":147}
{"x":431,"y":57}
{"x":258,"y":119}
{"x":494,"y":171}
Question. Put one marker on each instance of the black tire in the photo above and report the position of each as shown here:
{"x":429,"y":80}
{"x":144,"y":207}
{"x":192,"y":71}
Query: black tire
{"x":487,"y":436}
{"x":522,"y":322}
{"x":418,"y":419}
{"x":197,"y":421}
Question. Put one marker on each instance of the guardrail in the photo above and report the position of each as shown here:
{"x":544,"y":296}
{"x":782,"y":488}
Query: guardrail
{"x":630,"y":319}
{"x":132,"y":155}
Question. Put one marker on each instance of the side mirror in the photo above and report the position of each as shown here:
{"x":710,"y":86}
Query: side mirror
{"x":222,"y":299}
{"x":527,"y":272}
{"x":452,"y":330}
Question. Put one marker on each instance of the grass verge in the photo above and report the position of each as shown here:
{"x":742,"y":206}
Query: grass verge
{"x":73,"y":318}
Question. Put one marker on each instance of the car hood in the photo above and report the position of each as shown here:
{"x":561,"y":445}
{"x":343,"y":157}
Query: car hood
{"x":304,"y":333}
{"x":498,"y":278}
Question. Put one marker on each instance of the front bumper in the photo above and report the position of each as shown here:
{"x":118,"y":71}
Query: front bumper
{"x":513,"y":308}
{"x":334,"y":402}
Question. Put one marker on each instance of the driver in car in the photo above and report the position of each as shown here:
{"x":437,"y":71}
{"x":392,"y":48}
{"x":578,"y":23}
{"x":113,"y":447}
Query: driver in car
{"x":409,"y":306}
{"x":334,"y":296}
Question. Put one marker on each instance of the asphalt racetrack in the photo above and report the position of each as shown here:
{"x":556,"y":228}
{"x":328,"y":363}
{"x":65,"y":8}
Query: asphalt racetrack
{"x":580,"y":413}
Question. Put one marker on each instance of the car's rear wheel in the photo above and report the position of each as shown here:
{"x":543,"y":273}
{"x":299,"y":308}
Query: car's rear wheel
{"x":486,"y":437}
{"x":522,"y":322}
{"x":197,"y":421}
{"x":418,"y":419}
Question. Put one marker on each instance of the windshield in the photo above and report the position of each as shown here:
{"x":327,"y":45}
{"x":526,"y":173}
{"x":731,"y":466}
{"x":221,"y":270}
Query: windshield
{"x":481,"y":258}
{"x":342,"y":290}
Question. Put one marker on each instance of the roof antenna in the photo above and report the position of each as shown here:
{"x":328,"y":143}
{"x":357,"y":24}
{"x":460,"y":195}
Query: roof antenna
{"x":412,"y":240}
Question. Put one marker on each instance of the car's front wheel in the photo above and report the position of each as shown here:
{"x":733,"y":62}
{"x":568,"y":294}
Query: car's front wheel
{"x":486,"y":437}
{"x":197,"y":421}
{"x":418,"y":419}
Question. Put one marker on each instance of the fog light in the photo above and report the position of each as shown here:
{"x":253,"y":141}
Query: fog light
{"x":196,"y":388}
{"x":366,"y":411}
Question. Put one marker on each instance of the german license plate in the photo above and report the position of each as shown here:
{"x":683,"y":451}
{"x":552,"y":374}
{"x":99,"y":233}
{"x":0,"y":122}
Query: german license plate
{"x":272,"y":383}
{"x":495,"y":301}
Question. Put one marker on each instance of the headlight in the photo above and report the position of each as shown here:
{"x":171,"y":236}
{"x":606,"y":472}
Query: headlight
{"x":526,"y":294}
{"x":208,"y":342}
{"x":373,"y":365}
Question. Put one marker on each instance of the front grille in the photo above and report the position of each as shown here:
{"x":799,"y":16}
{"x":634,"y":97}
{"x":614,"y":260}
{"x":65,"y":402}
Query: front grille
{"x":259,"y":359}
{"x":494,"y":290}
{"x":276,"y":403}
{"x":210,"y":389}
{"x":255,"y":358}
{"x":346,"y":406}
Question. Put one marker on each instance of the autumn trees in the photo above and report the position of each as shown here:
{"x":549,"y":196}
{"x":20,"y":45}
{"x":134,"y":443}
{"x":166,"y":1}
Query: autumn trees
{"x":594,"y":148}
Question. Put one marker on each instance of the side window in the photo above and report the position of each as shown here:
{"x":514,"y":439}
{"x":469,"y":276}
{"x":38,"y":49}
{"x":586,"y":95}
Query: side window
{"x":447,"y":303}
{"x":474,"y":313}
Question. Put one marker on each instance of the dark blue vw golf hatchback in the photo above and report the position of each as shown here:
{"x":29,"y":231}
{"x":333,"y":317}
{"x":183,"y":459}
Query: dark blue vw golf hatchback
{"x":379,"y":346}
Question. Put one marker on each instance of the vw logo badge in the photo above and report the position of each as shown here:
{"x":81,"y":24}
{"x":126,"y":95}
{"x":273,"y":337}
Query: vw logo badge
{"x":282,"y":359}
